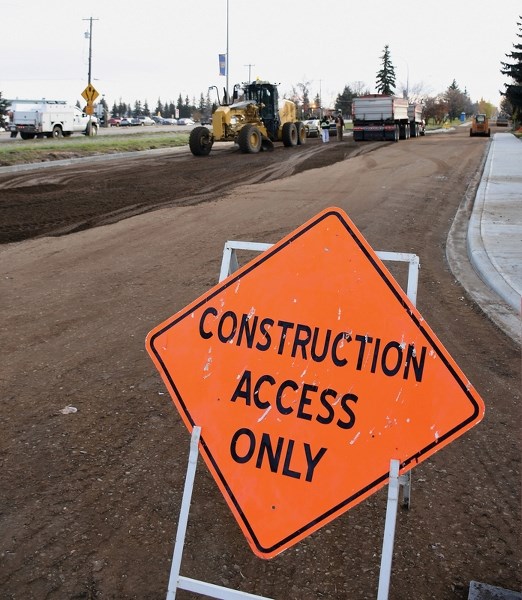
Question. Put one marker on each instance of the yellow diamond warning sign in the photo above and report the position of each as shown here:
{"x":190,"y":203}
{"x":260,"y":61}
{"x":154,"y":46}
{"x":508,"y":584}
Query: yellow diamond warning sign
{"x":308,"y":370}
{"x":90,"y":93}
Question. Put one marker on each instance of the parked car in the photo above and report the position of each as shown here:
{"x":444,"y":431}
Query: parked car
{"x":160,"y":120}
{"x":126,"y":122}
{"x":114,"y":122}
{"x":312,"y":127}
{"x":146,"y":121}
{"x":502,"y":121}
{"x":170,"y":121}
{"x":185,"y":122}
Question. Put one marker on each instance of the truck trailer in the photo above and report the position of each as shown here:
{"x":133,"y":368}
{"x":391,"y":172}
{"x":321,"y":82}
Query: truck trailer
{"x":417,"y":125}
{"x":51,"y":118}
{"x":380,"y":117}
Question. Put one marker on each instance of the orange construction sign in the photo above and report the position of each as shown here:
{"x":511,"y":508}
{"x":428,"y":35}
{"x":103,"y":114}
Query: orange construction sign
{"x":308,"y":370}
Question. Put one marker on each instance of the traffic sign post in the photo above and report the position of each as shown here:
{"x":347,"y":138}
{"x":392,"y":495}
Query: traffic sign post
{"x":308,"y":357}
{"x":90,"y":94}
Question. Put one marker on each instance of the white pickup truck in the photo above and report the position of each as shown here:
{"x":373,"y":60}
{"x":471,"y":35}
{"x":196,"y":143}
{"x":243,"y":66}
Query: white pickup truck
{"x":51,"y":118}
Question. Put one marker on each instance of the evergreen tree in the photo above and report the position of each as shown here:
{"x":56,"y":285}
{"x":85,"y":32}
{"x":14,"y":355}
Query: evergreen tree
{"x":170,"y":110}
{"x":114,"y":110}
{"x":344,"y":101}
{"x":123,"y":109}
{"x":513,"y":70}
{"x":159,"y":108}
{"x":456,"y":101}
{"x":4,"y":105}
{"x":145,"y":110}
{"x":386,"y":76}
{"x":317,"y":105}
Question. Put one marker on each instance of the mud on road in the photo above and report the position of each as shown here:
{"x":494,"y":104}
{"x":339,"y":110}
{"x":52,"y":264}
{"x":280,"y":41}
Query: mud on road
{"x":89,"y":500}
{"x":61,"y":200}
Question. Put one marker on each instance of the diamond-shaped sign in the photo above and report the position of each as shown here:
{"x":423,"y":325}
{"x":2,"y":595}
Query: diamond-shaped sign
{"x":90,"y":93}
{"x":308,"y":370}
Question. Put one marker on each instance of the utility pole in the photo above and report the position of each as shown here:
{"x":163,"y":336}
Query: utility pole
{"x":249,"y":71}
{"x":88,"y":34}
{"x":89,"y":109}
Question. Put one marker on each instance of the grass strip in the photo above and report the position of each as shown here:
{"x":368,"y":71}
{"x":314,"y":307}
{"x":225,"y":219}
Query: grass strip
{"x":44,"y":150}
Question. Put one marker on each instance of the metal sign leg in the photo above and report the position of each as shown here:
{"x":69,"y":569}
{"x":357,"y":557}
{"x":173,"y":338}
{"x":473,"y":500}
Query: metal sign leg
{"x":177,"y":581}
{"x":389,"y":531}
{"x":183,"y":515}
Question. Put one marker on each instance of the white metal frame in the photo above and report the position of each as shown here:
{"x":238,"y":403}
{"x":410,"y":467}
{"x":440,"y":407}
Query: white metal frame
{"x":177,"y":581}
{"x":230,"y":264}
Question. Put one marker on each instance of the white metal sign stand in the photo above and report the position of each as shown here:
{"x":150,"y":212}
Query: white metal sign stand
{"x":176,"y":581}
{"x":230,"y":264}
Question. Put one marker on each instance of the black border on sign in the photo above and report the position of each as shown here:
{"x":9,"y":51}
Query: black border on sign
{"x":379,"y":480}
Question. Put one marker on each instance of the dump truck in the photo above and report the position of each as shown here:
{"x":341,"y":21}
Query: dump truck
{"x":52,"y":119}
{"x":380,"y":117}
{"x":415,"y":115}
{"x":480,"y":126}
{"x":254,"y":119}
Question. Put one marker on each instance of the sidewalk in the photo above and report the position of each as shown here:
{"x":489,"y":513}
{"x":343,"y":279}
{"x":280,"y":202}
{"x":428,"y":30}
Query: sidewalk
{"x":495,"y":227}
{"x":487,"y":232}
{"x":494,"y":243}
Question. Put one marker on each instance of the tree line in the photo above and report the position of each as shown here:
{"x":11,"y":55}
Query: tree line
{"x":182,"y":108}
{"x":447,"y":105}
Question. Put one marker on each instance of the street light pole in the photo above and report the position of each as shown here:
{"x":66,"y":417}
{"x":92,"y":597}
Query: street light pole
{"x":407,"y":78}
{"x":227,"y":63}
{"x":249,"y":71}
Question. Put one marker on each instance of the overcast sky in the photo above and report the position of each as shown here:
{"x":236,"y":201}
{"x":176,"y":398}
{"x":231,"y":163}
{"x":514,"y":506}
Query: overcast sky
{"x":159,"y":49}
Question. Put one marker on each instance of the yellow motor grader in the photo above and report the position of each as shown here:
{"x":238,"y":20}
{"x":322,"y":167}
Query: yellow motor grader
{"x":254,"y":121}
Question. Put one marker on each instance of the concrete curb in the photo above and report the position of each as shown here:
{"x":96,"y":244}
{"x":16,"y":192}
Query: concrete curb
{"x":477,"y":287}
{"x":485,"y":227}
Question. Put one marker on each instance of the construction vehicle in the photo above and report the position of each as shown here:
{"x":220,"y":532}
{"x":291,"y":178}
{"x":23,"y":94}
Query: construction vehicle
{"x":417,"y":124}
{"x":480,"y":126}
{"x":255,"y":119}
{"x":380,"y":117}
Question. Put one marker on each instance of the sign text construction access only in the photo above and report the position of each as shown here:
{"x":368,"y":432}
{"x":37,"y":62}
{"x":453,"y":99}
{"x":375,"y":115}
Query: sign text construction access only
{"x":308,"y":370}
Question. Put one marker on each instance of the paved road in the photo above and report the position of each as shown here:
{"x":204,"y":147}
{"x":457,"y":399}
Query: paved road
{"x":5,"y":137}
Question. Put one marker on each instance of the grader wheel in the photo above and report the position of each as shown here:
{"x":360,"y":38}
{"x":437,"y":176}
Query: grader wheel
{"x":301,"y":132}
{"x":289,"y":134}
{"x":200,"y":141}
{"x":249,"y":139}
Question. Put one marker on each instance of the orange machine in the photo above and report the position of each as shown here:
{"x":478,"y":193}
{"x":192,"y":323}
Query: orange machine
{"x":480,"y":126}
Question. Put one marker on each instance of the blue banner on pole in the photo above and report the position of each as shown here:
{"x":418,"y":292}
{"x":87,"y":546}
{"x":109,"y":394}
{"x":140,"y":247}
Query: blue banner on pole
{"x":222,"y":64}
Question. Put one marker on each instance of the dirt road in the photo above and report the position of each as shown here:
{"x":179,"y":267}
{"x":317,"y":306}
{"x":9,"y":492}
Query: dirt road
{"x":89,"y":500}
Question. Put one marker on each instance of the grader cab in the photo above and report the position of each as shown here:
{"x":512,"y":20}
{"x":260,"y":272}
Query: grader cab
{"x":254,"y":120}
